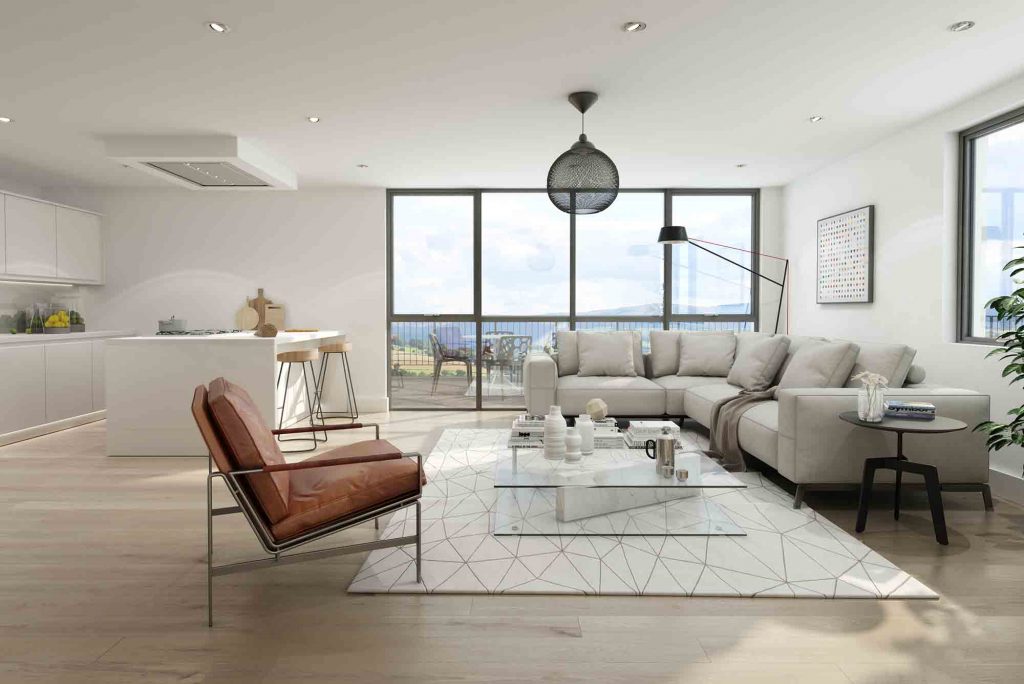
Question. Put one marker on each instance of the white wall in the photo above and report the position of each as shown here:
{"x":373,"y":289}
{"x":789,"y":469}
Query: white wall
{"x":911,"y":178}
{"x":197,"y":255}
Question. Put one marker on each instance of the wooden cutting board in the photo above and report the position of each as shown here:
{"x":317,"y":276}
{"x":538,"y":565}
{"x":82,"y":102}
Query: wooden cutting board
{"x":275,"y":316}
{"x":247,"y":318}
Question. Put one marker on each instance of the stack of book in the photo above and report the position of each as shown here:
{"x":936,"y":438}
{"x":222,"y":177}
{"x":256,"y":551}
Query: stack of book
{"x":527,"y":431}
{"x":607,"y":435}
{"x":640,"y":431}
{"x":921,"y":410}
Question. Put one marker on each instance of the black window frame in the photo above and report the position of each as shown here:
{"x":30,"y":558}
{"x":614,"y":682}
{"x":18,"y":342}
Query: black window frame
{"x":965,"y":221}
{"x":667,"y":318}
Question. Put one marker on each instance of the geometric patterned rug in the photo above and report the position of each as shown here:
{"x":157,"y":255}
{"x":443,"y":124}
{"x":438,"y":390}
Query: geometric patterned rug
{"x":785,"y":552}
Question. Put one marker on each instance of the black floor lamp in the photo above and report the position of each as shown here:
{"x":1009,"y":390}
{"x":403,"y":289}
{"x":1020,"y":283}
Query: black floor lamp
{"x":676,"y":235}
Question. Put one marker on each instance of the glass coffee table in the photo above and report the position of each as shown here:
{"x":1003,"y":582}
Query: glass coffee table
{"x":614,"y":492}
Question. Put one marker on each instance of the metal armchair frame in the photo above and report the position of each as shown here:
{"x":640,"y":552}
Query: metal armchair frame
{"x":250,"y":510}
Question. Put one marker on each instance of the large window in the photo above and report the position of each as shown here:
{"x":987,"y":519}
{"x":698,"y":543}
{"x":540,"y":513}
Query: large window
{"x":480,"y":278}
{"x":992,"y":220}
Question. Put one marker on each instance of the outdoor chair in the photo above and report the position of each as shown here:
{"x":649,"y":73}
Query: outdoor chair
{"x":444,"y":354}
{"x":289,"y":505}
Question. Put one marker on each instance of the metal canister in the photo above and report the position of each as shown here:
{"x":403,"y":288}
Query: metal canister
{"x":664,"y":451}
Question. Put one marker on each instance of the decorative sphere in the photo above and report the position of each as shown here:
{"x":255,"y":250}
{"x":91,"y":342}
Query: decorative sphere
{"x":586,"y":169}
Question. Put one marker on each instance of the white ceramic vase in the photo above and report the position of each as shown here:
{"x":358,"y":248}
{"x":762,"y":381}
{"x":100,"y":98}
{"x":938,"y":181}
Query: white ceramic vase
{"x":871,"y":404}
{"x":572,"y":445}
{"x":554,"y":434}
{"x":585,"y":426}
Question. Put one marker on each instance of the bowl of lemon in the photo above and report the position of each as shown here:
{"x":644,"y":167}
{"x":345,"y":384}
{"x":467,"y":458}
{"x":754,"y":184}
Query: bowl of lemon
{"x":57,"y":323}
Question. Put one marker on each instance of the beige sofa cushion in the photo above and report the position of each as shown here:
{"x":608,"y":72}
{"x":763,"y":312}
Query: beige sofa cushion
{"x":709,"y":354}
{"x":568,"y":357}
{"x":758,"y":360}
{"x":625,"y":396}
{"x":697,"y":401}
{"x":664,"y":352}
{"x":606,"y":353}
{"x":820,"y":364}
{"x":916,"y":375}
{"x":795,"y":343}
{"x":759,"y":432}
{"x":892,"y":361}
{"x":675,"y":387}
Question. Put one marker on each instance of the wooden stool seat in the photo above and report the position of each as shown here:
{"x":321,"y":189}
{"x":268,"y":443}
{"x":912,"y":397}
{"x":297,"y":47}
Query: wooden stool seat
{"x":298,"y":356}
{"x":337,"y":348}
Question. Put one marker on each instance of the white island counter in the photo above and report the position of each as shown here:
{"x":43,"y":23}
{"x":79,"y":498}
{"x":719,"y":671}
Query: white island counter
{"x":150,"y":381}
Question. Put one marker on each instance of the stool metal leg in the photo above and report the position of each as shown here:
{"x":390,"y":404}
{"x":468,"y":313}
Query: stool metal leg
{"x":312,"y":410}
{"x":352,"y":408}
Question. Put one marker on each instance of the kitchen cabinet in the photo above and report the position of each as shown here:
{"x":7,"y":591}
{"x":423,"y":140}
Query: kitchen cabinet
{"x":23,"y":399}
{"x":68,"y":379}
{"x":31,"y":237}
{"x":79,"y":245}
{"x":99,"y":350}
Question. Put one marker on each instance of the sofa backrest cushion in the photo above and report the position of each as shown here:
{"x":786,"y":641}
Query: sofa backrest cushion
{"x":820,"y":364}
{"x":892,"y":361}
{"x":758,"y":359}
{"x":664,"y":352}
{"x":568,"y":357}
{"x":251,"y":444}
{"x":709,"y":354}
{"x":606,"y":353}
{"x":795,"y":343}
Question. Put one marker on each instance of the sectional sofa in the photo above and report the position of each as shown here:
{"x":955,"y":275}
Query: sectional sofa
{"x":798,"y":433}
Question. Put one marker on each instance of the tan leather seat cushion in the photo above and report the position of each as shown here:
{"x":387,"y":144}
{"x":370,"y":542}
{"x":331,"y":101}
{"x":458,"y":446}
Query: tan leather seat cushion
{"x":251,"y":444}
{"x":322,"y":495}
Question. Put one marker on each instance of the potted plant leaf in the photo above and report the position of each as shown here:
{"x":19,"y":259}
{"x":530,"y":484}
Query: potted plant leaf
{"x":1010,"y":309}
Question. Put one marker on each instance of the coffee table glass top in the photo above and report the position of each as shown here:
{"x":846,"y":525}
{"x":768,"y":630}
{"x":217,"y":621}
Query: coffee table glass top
{"x":609,"y":468}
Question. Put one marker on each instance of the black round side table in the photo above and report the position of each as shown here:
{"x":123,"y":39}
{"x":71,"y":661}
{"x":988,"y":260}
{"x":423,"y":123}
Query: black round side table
{"x":900,"y":464}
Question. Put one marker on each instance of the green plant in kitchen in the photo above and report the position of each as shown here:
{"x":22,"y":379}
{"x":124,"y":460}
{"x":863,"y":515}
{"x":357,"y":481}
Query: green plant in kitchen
{"x":1009,"y":308}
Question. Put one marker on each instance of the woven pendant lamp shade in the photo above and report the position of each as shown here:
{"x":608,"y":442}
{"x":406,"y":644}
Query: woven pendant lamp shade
{"x":583,"y":180}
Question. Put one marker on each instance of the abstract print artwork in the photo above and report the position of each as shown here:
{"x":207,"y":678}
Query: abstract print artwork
{"x":845,"y":243}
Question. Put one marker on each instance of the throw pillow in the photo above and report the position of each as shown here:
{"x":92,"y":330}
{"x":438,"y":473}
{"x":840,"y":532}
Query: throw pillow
{"x":758,"y":359}
{"x":827,"y":364}
{"x":664,"y":352}
{"x":889,"y":360}
{"x":708,"y":354}
{"x":606,"y":353}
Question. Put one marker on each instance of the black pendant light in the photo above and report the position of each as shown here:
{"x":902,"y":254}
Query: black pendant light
{"x":584,"y":179}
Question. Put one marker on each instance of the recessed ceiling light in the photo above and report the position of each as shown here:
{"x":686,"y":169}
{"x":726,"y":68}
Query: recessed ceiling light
{"x":363,"y":166}
{"x":218,"y":27}
{"x":816,"y":118}
{"x":961,"y":26}
{"x":313,"y":119}
{"x":634,"y":26}
{"x":6,"y":119}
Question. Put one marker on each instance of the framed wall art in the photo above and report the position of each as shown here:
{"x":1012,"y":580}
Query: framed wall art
{"x":845,"y":257}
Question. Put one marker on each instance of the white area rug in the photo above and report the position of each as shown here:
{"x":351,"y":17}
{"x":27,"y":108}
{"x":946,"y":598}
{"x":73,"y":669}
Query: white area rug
{"x":785,"y":553}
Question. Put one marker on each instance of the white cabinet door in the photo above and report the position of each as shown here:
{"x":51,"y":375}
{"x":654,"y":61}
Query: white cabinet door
{"x":79,"y":245}
{"x":68,"y":379}
{"x":99,"y":380}
{"x":23,"y":398}
{"x":31,"y":237}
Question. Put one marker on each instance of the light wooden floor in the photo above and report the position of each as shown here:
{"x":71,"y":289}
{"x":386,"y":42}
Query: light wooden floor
{"x":102,"y":580}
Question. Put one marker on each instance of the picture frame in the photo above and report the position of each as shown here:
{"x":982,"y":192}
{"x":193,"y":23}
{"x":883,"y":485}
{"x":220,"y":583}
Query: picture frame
{"x":845,"y":257}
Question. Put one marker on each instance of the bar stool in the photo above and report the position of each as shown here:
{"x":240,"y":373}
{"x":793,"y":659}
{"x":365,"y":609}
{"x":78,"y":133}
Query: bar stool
{"x":302,"y":357}
{"x":352,"y":408}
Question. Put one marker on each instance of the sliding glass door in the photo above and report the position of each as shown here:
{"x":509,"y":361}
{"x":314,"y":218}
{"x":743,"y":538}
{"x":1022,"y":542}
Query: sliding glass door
{"x":479,"y":279}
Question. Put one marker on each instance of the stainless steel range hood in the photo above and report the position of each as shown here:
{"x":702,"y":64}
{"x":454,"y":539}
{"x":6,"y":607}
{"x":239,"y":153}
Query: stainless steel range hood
{"x":203,"y":162}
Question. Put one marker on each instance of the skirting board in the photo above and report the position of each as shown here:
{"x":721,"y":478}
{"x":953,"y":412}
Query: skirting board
{"x":55,"y":426}
{"x":1006,"y":486}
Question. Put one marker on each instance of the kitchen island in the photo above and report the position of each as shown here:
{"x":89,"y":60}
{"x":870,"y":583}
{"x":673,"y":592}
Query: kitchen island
{"x":150,"y":381}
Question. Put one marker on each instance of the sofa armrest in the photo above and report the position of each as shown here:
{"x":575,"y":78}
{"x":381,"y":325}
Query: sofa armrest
{"x":540,"y":380}
{"x":815,"y":446}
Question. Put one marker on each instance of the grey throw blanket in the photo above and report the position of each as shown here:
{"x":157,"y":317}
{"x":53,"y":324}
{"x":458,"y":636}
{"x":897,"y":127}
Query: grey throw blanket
{"x":725,"y":425}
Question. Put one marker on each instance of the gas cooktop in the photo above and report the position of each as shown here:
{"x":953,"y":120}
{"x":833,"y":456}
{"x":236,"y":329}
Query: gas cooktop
{"x":197,"y":332}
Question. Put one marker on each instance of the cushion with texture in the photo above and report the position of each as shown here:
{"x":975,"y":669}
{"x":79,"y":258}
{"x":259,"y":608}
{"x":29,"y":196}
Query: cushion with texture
{"x":795,"y":343}
{"x":825,"y":364}
{"x":709,"y":354}
{"x":758,"y":360}
{"x":664,"y":352}
{"x":892,"y":361}
{"x":606,"y":353}
{"x":251,"y":444}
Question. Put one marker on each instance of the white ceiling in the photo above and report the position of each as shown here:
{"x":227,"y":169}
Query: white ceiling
{"x":472,"y":92}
